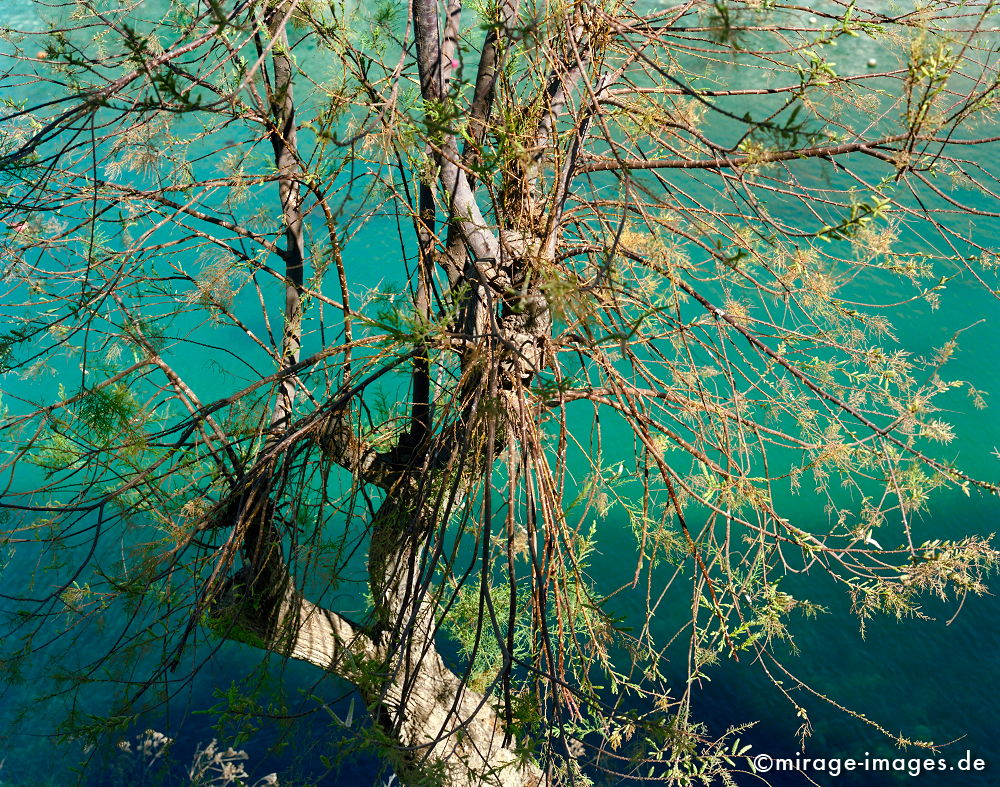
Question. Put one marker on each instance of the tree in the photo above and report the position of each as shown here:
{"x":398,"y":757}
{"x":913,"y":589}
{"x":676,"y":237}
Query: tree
{"x":595,"y":230}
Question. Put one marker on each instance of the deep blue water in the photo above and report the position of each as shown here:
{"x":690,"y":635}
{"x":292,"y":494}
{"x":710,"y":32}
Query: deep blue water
{"x":921,"y":679}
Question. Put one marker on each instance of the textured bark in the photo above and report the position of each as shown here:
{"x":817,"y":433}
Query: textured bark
{"x":450,"y":730}
{"x":439,"y":731}
{"x":283,"y":135}
{"x":442,"y":731}
{"x":446,"y":730}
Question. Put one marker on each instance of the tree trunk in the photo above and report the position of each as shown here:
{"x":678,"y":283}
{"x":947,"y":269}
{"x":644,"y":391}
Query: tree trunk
{"x":440,"y":731}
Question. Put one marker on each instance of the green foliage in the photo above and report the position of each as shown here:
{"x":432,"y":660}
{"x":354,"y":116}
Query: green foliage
{"x":939,"y":567}
{"x":243,"y":704}
{"x":479,"y":644}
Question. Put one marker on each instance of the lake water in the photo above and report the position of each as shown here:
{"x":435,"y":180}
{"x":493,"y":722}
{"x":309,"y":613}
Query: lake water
{"x":936,"y":680}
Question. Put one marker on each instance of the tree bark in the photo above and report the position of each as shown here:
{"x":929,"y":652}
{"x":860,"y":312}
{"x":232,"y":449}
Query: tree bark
{"x":439,"y":731}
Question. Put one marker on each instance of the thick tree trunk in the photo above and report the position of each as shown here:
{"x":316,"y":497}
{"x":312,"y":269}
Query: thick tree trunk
{"x":441,"y":732}
{"x":438,"y":731}
{"x":446,"y":731}
{"x":450,"y":732}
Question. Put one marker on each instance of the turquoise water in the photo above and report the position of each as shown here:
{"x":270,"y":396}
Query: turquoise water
{"x":921,"y":679}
